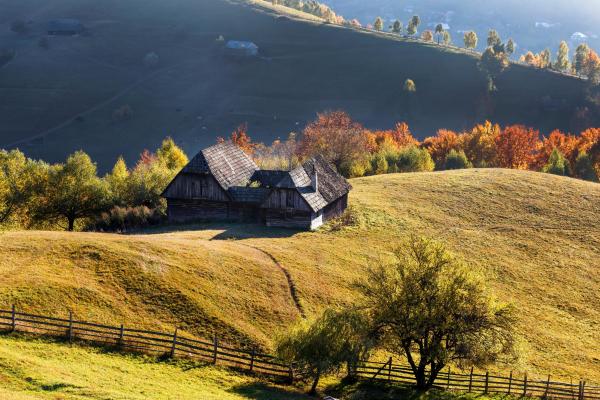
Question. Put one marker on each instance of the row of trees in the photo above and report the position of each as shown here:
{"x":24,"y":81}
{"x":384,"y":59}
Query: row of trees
{"x":424,"y":305}
{"x":357,"y":151}
{"x":312,"y":7}
{"x":71,"y":195}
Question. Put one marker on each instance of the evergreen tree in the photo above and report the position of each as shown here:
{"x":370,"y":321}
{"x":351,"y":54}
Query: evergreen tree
{"x":493,"y":38}
{"x":557,"y":164}
{"x":457,"y":160}
{"x":581,"y":55}
{"x":397,"y":27}
{"x":544,"y":58}
{"x":510,"y":47}
{"x":439,"y":31}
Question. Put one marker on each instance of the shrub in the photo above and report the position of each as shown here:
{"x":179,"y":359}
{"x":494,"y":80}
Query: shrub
{"x":379,"y":164}
{"x":123,"y":219}
{"x":584,"y":168}
{"x":414,"y":159}
{"x":557,"y":164}
{"x":457,"y":160}
{"x":355,"y":168}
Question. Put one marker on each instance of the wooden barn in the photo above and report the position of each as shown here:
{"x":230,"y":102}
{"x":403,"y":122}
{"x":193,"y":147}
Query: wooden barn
{"x":222,"y":183}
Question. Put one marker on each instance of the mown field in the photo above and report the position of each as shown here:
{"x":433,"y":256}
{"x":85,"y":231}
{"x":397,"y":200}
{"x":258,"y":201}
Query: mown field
{"x":535,"y":236}
{"x":62,"y":99}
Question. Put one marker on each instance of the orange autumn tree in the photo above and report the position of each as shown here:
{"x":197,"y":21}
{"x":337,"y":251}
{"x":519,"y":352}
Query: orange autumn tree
{"x":240,"y":138}
{"x":566,"y":144}
{"x":402,"y":135}
{"x":479,"y":144}
{"x":440,"y":145}
{"x":336,"y":137}
{"x":517,"y":147}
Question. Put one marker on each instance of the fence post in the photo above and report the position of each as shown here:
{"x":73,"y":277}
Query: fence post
{"x":13,"y":319}
{"x":510,"y":382}
{"x":579,"y":397}
{"x":448,"y":383}
{"x":174,"y":345}
{"x":291,"y":373}
{"x":252,"y":355}
{"x":582,"y":390}
{"x":390,"y":370}
{"x":525,"y":385}
{"x":215,"y":348}
{"x":471,"y":380}
{"x":547,"y":387}
{"x":121,"y":334}
{"x":70,"y":333}
{"x":487,"y":380}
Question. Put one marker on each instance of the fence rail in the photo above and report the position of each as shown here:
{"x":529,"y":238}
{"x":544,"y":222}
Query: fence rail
{"x":212,"y":351}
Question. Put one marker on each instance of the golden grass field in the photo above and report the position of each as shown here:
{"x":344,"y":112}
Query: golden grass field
{"x":535,"y":236}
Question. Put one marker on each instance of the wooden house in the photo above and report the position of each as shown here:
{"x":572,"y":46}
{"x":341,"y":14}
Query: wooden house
{"x":222,"y":183}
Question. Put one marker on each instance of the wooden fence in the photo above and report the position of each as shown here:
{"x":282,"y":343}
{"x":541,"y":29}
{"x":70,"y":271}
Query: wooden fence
{"x":485,"y":383}
{"x":212,"y":351}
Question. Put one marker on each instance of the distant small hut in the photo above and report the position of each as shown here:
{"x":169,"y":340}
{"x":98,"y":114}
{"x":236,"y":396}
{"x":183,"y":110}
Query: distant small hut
{"x":236,"y":48}
{"x":221,"y":183}
{"x":65,"y":27}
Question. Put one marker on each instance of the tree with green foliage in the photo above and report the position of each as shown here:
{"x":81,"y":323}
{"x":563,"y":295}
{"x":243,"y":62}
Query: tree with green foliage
{"x":439,"y":31}
{"x":430,"y":307}
{"x":73,"y":191}
{"x":457,"y":160}
{"x":446,"y":38}
{"x":545,"y":59}
{"x":378,"y":25}
{"x":117,"y":181}
{"x":493,"y":62}
{"x":470,"y":39}
{"x":171,"y":155}
{"x":581,"y":55}
{"x":557,"y":164}
{"x":584,"y":168}
{"x":410,"y":86}
{"x":510,"y":47}
{"x":414,"y":159}
{"x":379,"y":164}
{"x":413,"y":25}
{"x":397,"y":27}
{"x":562,"y":58}
{"x":493,"y":38}
{"x":326,"y":344}
{"x":19,"y":179}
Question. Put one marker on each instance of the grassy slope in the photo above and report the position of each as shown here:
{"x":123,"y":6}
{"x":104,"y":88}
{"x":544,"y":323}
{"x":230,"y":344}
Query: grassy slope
{"x":195,"y":95}
{"x":536,"y":236}
{"x":35,"y":369}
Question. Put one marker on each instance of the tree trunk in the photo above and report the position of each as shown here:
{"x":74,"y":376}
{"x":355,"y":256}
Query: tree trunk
{"x":71,"y":224}
{"x":313,"y":389}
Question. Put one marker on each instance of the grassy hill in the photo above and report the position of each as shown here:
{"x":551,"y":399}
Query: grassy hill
{"x":36,"y":369}
{"x":536,"y":237}
{"x":61,"y":99}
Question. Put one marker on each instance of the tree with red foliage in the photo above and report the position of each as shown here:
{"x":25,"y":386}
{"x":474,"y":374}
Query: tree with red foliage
{"x":440,"y":145}
{"x":147,"y":157}
{"x":517,"y":147}
{"x":566,"y":144}
{"x":336,"y":137}
{"x":240,"y":138}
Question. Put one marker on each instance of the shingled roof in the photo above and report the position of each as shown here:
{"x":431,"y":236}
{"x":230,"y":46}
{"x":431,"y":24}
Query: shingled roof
{"x":233,"y":169}
{"x":226,"y":162}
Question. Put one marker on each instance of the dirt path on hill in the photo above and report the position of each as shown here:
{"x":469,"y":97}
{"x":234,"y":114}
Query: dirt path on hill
{"x":288,"y":277}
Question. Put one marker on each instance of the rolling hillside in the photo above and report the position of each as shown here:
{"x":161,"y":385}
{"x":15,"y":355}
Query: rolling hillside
{"x":536,"y":236}
{"x":62,"y":99}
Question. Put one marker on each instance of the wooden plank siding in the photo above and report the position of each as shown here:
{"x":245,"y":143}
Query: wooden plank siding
{"x":336,"y":208}
{"x":285,"y":199}
{"x":195,"y":186}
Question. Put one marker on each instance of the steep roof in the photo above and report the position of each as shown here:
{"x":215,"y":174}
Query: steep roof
{"x":226,"y":162}
{"x":233,"y":169}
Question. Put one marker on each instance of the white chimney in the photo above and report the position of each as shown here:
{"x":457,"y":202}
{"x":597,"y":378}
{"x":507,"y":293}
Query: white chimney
{"x":314,"y":180}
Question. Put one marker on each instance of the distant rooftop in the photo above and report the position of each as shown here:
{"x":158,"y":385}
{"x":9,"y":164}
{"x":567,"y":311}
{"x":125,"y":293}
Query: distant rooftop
{"x":237,"y":44}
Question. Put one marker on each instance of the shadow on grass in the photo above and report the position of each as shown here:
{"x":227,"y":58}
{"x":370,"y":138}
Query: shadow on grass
{"x":228,"y":230}
{"x":368,"y":390}
{"x":264,"y":391}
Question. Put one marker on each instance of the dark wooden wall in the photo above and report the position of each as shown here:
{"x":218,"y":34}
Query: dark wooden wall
{"x":288,"y":219}
{"x":179,"y":210}
{"x":335,"y":209}
{"x":195,"y":186}
{"x":285,"y":199}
